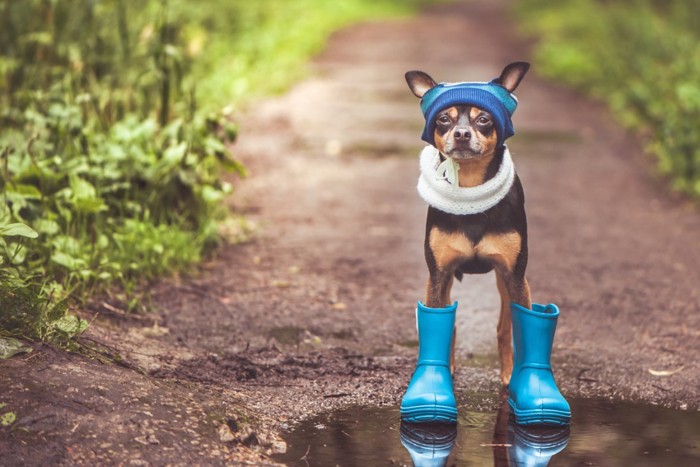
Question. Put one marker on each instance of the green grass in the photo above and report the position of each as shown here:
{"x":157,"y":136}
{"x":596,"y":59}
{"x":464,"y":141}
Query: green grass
{"x":642,"y":57}
{"x":259,"y":48}
{"x":114,"y":131}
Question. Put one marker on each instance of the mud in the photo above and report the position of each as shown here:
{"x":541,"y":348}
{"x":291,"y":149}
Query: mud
{"x":316,"y":313}
{"x":602,"y":433}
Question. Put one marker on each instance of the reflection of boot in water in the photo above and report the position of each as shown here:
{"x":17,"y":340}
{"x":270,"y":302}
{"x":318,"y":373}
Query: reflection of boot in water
{"x":534,"y":446}
{"x":429,"y":444}
{"x":521,"y":445}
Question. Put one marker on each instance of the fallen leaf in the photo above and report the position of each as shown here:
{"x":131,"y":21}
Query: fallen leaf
{"x":10,"y":347}
{"x":225,"y":434}
{"x":665,"y":372}
{"x":282,"y":284}
{"x":279,"y":447}
{"x":339,"y":306}
{"x":8,"y":419}
{"x":313,"y":340}
{"x":71,"y":324}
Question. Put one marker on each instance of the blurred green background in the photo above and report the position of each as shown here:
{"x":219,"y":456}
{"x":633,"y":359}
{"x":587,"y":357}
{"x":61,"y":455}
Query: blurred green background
{"x":114,"y":124}
{"x":642,"y":57}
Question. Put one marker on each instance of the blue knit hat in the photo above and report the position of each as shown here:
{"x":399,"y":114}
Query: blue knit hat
{"x":491,"y":97}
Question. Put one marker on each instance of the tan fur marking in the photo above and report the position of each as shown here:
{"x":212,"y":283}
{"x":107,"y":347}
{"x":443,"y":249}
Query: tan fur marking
{"x":488,"y":142}
{"x":440,"y":140}
{"x":473,"y":171}
{"x":474,"y":112}
{"x":450,"y":248}
{"x":501,"y":250}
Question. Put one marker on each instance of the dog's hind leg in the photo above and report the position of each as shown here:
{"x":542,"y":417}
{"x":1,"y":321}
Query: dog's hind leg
{"x":518,"y":289}
{"x":508,"y":255}
{"x":504,"y":332}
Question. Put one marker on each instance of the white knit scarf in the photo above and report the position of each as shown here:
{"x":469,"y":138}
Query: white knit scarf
{"x":439,"y":187}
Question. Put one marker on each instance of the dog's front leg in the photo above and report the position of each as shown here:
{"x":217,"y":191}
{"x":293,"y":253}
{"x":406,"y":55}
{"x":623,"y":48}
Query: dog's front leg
{"x":438,"y":296}
{"x":439,"y":287}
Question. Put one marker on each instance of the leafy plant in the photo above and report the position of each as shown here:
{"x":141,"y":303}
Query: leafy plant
{"x":113,"y":140}
{"x":642,"y":57}
{"x":104,"y":154}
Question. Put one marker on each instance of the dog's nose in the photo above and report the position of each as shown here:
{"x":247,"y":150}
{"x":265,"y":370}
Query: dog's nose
{"x":463,"y":134}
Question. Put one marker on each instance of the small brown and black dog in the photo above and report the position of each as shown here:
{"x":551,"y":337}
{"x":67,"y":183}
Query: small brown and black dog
{"x":495,"y":239}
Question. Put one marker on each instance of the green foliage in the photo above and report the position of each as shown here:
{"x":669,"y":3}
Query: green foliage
{"x":109,"y":172}
{"x":112,"y":141}
{"x":29,"y":313}
{"x":642,"y":57}
{"x":252,"y":49}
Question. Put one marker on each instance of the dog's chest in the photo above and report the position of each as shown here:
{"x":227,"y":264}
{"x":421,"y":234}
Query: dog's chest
{"x":451,"y":248}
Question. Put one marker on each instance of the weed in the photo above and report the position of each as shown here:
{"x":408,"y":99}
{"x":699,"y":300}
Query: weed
{"x":104,"y":154}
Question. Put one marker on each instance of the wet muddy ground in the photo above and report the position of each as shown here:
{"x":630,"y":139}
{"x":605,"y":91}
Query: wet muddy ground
{"x":316,"y":312}
{"x":602,"y":433}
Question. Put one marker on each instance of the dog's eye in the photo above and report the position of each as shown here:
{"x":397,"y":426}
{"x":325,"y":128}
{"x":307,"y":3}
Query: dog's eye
{"x":483,"y":120}
{"x":443,"y":119}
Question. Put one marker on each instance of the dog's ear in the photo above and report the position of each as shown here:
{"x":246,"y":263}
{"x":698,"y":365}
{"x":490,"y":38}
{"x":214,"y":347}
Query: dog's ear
{"x":419,"y":82}
{"x":512,"y":75}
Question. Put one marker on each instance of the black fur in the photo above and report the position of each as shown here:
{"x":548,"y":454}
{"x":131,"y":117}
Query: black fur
{"x":507,"y":216}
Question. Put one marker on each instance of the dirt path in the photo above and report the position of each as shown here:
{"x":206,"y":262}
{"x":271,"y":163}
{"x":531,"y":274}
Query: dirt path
{"x":318,"y":310}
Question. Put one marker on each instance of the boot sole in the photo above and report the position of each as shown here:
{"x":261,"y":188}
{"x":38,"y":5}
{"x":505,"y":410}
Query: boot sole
{"x":429,"y":413}
{"x":539,"y":416}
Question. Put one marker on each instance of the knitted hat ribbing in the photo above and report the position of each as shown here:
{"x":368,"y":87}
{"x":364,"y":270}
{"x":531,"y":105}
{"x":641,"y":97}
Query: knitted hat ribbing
{"x":491,"y":97}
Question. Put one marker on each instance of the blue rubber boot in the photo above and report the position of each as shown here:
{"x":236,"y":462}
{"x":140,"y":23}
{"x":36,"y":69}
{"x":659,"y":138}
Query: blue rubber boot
{"x":533,"y":395}
{"x":430,"y":397}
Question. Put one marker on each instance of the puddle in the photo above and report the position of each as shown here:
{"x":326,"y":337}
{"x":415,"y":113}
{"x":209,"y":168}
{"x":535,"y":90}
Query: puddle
{"x":601,"y":434}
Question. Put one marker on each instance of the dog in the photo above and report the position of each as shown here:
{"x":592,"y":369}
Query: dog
{"x":469,"y":140}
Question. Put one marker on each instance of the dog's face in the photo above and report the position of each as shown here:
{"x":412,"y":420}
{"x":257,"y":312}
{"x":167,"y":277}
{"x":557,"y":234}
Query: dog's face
{"x":465,"y":132}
